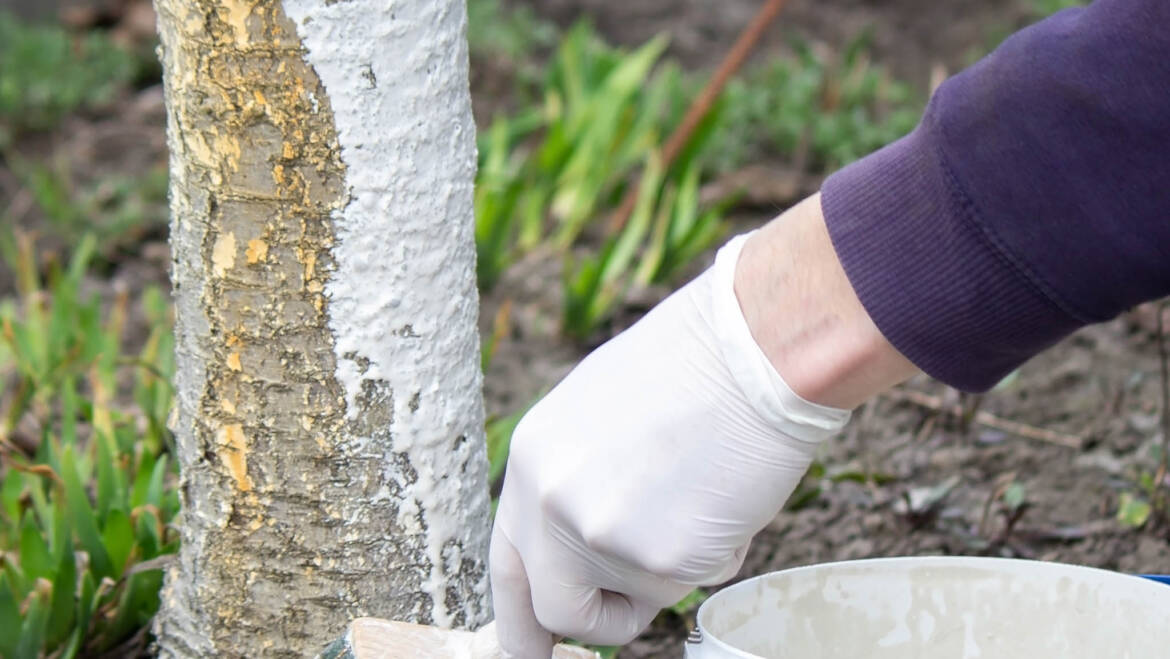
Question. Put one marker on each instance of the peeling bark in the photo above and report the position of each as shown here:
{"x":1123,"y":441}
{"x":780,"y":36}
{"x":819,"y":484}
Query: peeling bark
{"x":328,"y":420}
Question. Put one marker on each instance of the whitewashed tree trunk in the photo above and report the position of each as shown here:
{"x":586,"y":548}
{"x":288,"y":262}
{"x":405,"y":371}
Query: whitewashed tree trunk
{"x":329,"y":418}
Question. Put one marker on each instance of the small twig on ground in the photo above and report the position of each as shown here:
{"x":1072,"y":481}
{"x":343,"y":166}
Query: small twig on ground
{"x":987,"y":419}
{"x":857,"y":436}
{"x":1000,"y":486}
{"x":6,"y":446}
{"x":970,"y":404}
{"x":703,"y":102}
{"x":927,"y":428}
{"x":1101,"y":527}
{"x":156,"y":563}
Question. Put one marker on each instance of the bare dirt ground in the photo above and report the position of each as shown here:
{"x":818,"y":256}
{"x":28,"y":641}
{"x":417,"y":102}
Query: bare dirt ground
{"x":910,"y":36}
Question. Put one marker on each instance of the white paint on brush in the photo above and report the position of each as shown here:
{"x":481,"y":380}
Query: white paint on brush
{"x":402,"y":294}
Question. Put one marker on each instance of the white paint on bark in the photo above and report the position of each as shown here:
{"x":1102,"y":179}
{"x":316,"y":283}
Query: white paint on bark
{"x":402,"y":296}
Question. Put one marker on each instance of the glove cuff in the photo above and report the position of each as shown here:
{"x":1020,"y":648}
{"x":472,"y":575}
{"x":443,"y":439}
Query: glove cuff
{"x":761,"y":385}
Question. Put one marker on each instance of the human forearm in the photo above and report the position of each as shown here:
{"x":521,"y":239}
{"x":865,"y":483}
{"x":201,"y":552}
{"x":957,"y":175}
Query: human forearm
{"x":804,"y":315}
{"x":1031,"y":200}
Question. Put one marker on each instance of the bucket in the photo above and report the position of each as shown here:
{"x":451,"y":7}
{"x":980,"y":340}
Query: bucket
{"x":936,"y":607}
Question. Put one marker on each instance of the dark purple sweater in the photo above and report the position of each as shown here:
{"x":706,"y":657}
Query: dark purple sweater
{"x":1032,"y":199}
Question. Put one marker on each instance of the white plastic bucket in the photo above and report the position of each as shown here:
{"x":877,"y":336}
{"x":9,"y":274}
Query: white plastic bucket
{"x":938,"y":608}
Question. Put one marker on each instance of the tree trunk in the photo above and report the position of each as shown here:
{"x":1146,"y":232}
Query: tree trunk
{"x":329,"y":418}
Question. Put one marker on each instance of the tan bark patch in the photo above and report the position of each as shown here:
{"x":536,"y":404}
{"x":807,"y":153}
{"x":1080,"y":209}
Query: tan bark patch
{"x":237,"y":13}
{"x":223,"y":255}
{"x":234,"y":455}
{"x":257,"y":251}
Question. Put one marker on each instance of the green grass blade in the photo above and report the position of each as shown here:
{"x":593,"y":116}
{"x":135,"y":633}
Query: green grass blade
{"x":118,"y":538}
{"x":154,"y":494}
{"x":687,"y":207}
{"x":83,"y":254}
{"x":87,"y":601}
{"x":655,"y":252}
{"x":144,"y":471}
{"x":632,"y":72}
{"x":73,"y":646}
{"x":499,"y":439}
{"x":11,"y":492}
{"x":147,"y":535}
{"x":82,"y":516}
{"x":582,"y":281}
{"x":569,"y":61}
{"x":136,"y":606}
{"x":632,"y":235}
{"x":9,"y":618}
{"x":36,"y":623}
{"x":35,"y":559}
{"x":70,"y":410}
{"x":107,"y":489}
{"x":63,"y":607}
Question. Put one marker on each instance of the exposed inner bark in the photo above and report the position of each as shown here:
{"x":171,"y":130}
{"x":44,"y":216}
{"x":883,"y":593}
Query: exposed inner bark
{"x":292,"y":523}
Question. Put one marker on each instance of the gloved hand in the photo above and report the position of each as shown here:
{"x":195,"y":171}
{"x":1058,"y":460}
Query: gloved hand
{"x":646,"y":472}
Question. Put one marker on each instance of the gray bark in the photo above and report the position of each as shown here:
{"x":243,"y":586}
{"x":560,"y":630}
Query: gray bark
{"x":315,"y":488}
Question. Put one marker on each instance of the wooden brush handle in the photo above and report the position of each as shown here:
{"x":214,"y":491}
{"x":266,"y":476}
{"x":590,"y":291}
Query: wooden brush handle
{"x":373,"y":638}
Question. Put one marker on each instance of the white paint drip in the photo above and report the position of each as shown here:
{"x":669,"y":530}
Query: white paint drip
{"x":403,"y":293}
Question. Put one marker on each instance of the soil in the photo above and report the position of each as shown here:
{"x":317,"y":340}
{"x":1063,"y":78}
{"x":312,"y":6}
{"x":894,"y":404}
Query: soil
{"x":909,"y":36}
{"x":1101,"y":386}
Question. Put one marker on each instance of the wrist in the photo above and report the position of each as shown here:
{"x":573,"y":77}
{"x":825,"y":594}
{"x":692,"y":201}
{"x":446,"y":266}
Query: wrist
{"x":762,"y":387}
{"x":806,"y":318}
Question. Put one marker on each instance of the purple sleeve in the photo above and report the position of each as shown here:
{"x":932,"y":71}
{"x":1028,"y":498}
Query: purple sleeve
{"x":1033,"y":198}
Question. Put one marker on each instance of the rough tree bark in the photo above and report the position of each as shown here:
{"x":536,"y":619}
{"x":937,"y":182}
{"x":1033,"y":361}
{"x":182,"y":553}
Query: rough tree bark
{"x":329,"y":418}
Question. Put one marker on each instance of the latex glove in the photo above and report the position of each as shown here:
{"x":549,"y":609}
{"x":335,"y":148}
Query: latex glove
{"x":646,"y":472}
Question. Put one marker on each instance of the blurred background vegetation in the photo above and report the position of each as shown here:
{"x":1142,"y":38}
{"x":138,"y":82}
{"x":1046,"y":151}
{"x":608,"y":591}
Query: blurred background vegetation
{"x":570,"y":120}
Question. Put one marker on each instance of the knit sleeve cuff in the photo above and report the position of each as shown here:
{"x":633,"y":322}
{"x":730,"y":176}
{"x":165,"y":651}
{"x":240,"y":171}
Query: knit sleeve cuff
{"x":933,"y":277}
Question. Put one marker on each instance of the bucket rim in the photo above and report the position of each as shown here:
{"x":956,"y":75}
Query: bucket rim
{"x":1015,"y":564}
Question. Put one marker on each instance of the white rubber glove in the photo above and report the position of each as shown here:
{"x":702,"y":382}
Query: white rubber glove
{"x":646,"y":472}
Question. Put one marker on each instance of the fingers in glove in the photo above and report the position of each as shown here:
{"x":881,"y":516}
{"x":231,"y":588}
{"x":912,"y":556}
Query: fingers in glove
{"x":589,"y":614}
{"x":664,"y":568}
{"x":520,"y":634}
{"x":731,"y":568}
